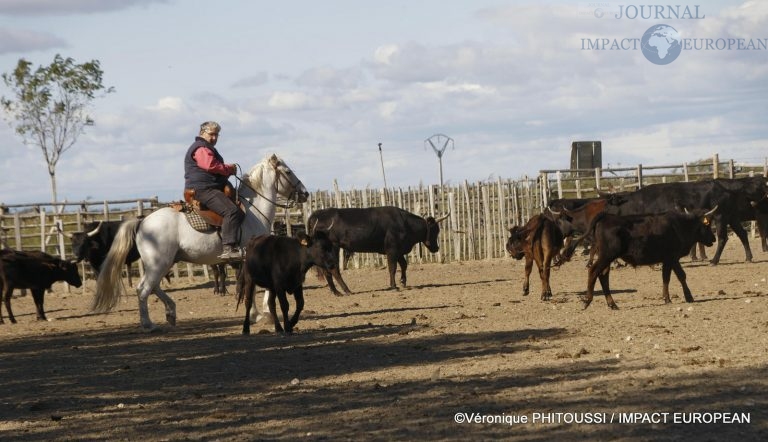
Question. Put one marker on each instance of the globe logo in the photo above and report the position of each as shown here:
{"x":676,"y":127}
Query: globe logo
{"x":661,"y":44}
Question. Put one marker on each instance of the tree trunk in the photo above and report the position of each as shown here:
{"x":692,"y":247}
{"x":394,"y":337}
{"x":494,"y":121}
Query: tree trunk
{"x":53,"y":186}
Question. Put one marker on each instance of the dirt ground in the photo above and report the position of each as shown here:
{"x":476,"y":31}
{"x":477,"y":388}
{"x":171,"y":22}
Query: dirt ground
{"x":459,"y":355}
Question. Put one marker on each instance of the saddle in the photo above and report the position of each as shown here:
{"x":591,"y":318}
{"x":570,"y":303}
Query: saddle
{"x":208,"y":215}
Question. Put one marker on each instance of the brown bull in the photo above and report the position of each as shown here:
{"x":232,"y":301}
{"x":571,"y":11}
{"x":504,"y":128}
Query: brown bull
{"x":539,"y":240}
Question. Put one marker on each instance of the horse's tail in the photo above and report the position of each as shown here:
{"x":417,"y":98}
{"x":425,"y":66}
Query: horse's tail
{"x":109,"y":283}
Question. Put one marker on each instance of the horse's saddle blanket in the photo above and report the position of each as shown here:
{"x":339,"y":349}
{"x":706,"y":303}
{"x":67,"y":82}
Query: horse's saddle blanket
{"x":200,"y":217}
{"x":194,"y":218}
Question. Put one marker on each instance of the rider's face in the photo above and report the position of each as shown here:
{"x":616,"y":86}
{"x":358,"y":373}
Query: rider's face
{"x":211,"y":137}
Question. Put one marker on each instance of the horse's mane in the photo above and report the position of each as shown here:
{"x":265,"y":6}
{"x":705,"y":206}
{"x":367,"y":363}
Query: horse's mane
{"x":255,"y":176}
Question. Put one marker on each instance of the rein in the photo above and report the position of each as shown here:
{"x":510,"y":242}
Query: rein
{"x":291,"y":198}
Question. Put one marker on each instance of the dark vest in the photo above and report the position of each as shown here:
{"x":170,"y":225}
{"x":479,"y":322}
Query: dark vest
{"x":197,"y":178}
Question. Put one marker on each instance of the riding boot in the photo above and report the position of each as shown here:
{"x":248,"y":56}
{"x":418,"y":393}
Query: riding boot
{"x":231,"y":253}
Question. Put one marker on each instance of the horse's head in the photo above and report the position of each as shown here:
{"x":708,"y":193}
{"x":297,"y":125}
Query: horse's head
{"x":272,"y":175}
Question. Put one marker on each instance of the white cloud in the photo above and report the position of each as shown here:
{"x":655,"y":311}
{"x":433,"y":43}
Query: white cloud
{"x":509,"y":83}
{"x":384,"y":54}
{"x":168,"y":104}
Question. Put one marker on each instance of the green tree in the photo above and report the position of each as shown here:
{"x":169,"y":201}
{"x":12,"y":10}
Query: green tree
{"x":48,"y":107}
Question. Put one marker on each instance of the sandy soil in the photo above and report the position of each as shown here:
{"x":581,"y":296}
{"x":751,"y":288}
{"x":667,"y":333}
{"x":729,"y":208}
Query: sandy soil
{"x":460,"y":343}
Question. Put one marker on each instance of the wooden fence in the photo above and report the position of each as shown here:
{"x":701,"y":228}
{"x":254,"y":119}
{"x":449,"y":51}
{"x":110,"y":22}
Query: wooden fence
{"x":479,"y":213}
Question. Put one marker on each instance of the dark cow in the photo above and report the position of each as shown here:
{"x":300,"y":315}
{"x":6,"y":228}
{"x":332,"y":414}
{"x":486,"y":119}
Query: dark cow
{"x":92,"y":245}
{"x":734,"y":197}
{"x":279,"y":263}
{"x":539,"y":240}
{"x":573,"y":216}
{"x":387,"y":230}
{"x":646,"y":240}
{"x":36,"y":271}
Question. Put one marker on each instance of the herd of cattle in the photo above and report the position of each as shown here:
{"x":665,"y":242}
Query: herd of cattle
{"x":657,"y":224}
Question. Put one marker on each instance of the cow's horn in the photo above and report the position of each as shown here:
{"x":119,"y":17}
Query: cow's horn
{"x":312,"y":229}
{"x":96,"y":230}
{"x":329,"y":227}
{"x":442,"y":218}
{"x":68,"y":235}
{"x":556,"y":213}
{"x":714,"y":209}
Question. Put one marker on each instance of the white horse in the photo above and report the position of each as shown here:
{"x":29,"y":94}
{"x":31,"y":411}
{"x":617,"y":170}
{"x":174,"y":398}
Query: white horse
{"x":165,"y":237}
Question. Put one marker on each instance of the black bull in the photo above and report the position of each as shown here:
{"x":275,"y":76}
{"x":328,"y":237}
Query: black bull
{"x":645,"y":240}
{"x":386,"y":230}
{"x":735,"y":198}
{"x":36,"y":271}
{"x":92,"y":245}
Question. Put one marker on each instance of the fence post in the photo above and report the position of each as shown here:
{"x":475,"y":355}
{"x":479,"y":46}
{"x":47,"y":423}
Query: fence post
{"x":454,"y":227}
{"x":598,"y":175}
{"x":431,"y":199}
{"x":17,"y":230}
{"x":731,"y":169}
{"x":559,"y":184}
{"x":639,"y":173}
{"x":685,"y":172}
{"x":544,"y":188}
{"x":488,"y":227}
{"x":715,"y":166}
{"x":42,"y":229}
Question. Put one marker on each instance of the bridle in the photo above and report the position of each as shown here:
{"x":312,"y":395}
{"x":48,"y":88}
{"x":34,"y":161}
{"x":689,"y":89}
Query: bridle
{"x":291,"y":200}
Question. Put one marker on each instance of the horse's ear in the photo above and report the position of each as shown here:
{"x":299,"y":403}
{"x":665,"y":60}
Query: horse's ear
{"x":274,"y":160}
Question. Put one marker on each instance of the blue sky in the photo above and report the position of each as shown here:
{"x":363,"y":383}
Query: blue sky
{"x":321,"y":83}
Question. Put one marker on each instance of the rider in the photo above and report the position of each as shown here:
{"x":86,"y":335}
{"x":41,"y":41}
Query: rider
{"x":206,"y":173}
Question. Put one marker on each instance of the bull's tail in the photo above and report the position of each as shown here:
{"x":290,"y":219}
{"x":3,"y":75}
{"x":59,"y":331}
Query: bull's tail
{"x":109,"y":284}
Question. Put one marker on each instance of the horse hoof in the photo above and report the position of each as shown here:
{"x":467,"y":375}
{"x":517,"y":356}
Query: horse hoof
{"x":613,"y":306}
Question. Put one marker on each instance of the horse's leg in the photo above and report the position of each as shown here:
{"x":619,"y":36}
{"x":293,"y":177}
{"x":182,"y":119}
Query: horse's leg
{"x":267,"y":313}
{"x":170,"y":305}
{"x":149,"y":284}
